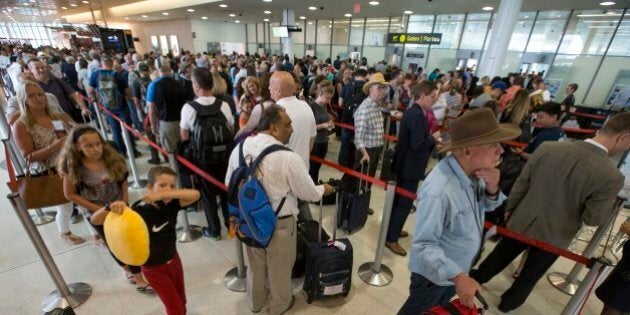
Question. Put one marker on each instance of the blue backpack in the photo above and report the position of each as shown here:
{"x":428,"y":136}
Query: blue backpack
{"x":252,"y":218}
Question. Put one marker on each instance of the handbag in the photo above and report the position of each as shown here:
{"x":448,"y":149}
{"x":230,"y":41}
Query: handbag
{"x":38,"y":191}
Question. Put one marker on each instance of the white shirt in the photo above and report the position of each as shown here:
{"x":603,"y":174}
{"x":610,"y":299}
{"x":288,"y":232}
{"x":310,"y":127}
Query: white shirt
{"x":281,"y":173}
{"x":14,"y":70}
{"x":303,"y":122}
{"x":597,"y":144}
{"x":189,"y":114}
{"x":93,"y":65}
{"x":241,"y":74}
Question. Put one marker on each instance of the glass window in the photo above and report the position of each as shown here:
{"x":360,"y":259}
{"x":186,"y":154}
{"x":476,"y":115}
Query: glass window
{"x":324,"y":28}
{"x":310,"y":32}
{"x":375,"y":32}
{"x":163,"y":44}
{"x":251,"y":33}
{"x":547,"y":31}
{"x":154,"y":42}
{"x":261,"y":33}
{"x":619,"y":46}
{"x":273,"y":40}
{"x":475,"y":31}
{"x":613,"y":76}
{"x":574,"y":69}
{"x":521,"y":31}
{"x":356,"y":33}
{"x":174,"y":45}
{"x":420,"y":24}
{"x":589,"y":32}
{"x":340,"y":32}
{"x":451,"y":27}
{"x":397,"y":25}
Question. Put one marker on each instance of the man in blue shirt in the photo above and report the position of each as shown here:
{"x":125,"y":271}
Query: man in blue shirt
{"x":548,"y":119}
{"x":452,"y":202}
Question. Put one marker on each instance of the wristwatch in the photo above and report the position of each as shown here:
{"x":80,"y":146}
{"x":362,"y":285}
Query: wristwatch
{"x":107,"y":207}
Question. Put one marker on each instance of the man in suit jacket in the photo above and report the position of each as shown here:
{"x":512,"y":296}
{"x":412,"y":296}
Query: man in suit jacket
{"x":562,"y":186}
{"x":414,"y":147}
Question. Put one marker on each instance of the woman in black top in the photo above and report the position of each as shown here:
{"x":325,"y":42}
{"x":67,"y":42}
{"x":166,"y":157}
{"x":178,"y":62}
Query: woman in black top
{"x":323,"y":123}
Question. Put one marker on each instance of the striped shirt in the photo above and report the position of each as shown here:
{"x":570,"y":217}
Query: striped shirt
{"x":368,"y":125}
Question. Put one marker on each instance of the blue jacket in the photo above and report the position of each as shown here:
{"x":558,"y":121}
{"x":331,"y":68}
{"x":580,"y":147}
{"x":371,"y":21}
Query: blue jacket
{"x":414,"y":147}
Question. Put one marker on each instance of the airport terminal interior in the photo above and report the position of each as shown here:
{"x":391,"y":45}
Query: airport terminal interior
{"x":562,"y":43}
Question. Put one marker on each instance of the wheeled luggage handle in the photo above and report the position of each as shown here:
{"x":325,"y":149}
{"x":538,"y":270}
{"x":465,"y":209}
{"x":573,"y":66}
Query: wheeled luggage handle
{"x":482,"y":300}
{"x":364,"y":169}
{"x":321,"y":210}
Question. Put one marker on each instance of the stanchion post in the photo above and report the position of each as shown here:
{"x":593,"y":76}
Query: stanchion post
{"x":582,"y":293}
{"x":101,"y":121}
{"x":73,"y":294}
{"x":137,"y":182}
{"x":235,"y":278}
{"x":375,"y":273}
{"x":187,"y":233}
{"x":568,"y":283}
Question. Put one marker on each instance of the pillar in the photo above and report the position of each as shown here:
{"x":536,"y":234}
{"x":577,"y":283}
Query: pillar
{"x":288,"y":19}
{"x":505,"y":20}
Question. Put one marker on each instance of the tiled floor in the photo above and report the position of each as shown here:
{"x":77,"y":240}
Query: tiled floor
{"x":24,"y":281}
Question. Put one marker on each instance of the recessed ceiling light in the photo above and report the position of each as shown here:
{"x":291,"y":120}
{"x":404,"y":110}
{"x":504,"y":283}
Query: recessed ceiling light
{"x":191,"y":10}
{"x":302,"y":18}
{"x":487,"y":8}
{"x":312,"y":8}
{"x":223,"y":5}
{"x":86,"y":2}
{"x":73,"y":4}
{"x":267,"y":12}
{"x":374,"y":3}
{"x":164,"y":13}
{"x":266,"y":20}
{"x":237,"y":21}
{"x":266,"y":0}
{"x":144,"y":16}
{"x":64,"y":8}
{"x":126,"y":18}
{"x":204,"y":17}
{"x":310,"y":23}
{"x":606,"y":3}
{"x":232,"y":15}
{"x":407,"y":12}
{"x":347,"y":15}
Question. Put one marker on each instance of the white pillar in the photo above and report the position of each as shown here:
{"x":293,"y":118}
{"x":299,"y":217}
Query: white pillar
{"x":505,"y":20}
{"x":288,"y":19}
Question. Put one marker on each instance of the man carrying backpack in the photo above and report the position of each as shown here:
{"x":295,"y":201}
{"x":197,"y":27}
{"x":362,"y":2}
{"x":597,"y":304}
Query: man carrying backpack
{"x":285,"y":178}
{"x":165,"y":99}
{"x":208,"y":123}
{"x":351,"y":97}
{"x":111,"y":88}
{"x":139,"y":88}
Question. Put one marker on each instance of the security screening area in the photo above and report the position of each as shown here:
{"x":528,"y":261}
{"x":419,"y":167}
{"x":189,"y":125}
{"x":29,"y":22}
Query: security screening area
{"x":276,"y":157}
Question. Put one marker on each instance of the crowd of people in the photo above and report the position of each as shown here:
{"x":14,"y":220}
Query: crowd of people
{"x":207,"y":107}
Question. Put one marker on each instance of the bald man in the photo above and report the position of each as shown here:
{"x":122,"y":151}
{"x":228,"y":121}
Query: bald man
{"x":281,"y":88}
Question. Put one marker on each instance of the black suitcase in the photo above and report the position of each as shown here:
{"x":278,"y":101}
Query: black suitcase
{"x":306,"y":235}
{"x":328,"y":268}
{"x":387,"y":168}
{"x":352,"y":212}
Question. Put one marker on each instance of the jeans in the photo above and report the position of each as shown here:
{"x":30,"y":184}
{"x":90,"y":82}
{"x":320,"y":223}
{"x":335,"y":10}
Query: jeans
{"x":319,"y":150}
{"x":346,"y":151}
{"x":123,"y":114}
{"x":400,"y":211}
{"x":424,"y":294}
{"x":137,"y":120}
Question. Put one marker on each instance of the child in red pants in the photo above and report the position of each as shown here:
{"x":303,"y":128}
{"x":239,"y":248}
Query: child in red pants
{"x":163,"y":270}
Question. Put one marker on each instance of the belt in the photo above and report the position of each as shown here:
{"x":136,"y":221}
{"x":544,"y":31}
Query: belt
{"x":285,"y":217}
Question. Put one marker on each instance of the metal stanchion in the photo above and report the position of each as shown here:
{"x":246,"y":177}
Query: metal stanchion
{"x":73,"y":294}
{"x":187,"y":233}
{"x":375,"y":273}
{"x":568,"y":283}
{"x":579,"y":298}
{"x":39,"y":217}
{"x":101,"y":121}
{"x":137,"y":182}
{"x":235,"y":279}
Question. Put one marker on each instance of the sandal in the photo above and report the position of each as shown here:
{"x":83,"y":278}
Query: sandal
{"x":72,"y":239}
{"x":148,"y":289}
{"x":130,"y":278}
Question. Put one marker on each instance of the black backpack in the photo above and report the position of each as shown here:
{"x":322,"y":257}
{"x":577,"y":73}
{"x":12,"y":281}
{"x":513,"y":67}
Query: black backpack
{"x":211,"y":140}
{"x":350,"y":106}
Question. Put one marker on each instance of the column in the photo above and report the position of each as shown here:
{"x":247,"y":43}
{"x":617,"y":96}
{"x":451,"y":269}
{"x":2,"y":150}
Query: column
{"x":506,"y":19}
{"x":288,"y":19}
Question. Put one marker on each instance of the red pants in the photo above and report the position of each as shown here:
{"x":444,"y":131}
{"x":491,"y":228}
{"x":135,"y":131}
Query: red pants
{"x":168,"y":281}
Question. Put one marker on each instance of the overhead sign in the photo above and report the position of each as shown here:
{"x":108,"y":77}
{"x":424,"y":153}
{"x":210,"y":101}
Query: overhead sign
{"x":357,"y":8}
{"x":415,"y":55}
{"x":414,"y":38}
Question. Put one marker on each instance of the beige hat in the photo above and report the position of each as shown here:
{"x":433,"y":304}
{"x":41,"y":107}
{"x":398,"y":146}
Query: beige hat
{"x":377,"y":78}
{"x":476,"y":127}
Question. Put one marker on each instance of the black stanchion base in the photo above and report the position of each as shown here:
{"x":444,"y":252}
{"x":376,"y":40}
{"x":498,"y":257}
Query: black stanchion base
{"x":235,"y":283}
{"x":79,"y":293}
{"x":559,"y":281}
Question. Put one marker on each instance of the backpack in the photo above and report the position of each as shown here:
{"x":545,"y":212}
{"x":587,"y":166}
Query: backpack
{"x":108,"y":90}
{"x":210,"y":139}
{"x":356,"y":98}
{"x":144,"y":87}
{"x":252,"y":218}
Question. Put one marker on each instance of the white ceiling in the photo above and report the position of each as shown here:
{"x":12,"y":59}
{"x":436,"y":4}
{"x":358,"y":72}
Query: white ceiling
{"x":250,"y":11}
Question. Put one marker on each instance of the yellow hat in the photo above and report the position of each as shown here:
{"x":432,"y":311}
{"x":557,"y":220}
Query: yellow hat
{"x":127,"y":236}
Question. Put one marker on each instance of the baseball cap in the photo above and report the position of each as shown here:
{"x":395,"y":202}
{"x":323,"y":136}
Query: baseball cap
{"x":105,"y":57}
{"x":499,"y":85}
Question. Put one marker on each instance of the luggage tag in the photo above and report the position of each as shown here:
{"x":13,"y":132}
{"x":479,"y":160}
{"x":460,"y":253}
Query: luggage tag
{"x":341,"y":246}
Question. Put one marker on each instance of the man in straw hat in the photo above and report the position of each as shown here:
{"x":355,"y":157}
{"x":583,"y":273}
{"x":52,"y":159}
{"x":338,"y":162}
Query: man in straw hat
{"x":563,"y":185}
{"x":450,"y":214}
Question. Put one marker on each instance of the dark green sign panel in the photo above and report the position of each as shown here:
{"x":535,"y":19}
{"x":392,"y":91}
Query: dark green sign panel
{"x":414,"y":38}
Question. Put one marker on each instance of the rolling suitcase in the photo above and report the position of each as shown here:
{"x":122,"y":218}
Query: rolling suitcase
{"x":328,"y":267}
{"x":353,"y":205}
{"x":306,"y":235}
{"x":332,"y":198}
{"x":387,"y":168}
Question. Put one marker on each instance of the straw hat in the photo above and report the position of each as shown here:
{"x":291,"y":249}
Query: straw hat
{"x":477,"y":127}
{"x":377,"y":78}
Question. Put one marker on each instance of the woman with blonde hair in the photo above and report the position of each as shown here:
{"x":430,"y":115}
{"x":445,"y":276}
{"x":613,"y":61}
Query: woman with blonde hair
{"x":517,"y":112}
{"x":39,"y":134}
{"x":249,"y":105}
{"x":219,"y":90}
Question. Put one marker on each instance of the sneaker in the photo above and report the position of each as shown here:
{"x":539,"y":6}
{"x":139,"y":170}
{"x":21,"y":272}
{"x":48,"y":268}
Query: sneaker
{"x":156,"y":162}
{"x":370,"y":211}
{"x":206,"y":233}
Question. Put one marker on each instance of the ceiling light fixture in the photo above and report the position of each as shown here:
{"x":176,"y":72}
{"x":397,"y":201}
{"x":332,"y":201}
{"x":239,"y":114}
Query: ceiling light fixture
{"x":310,"y":23}
{"x":86,"y":2}
{"x":487,"y":8}
{"x":302,"y":18}
{"x":64,"y":8}
{"x":232,"y":15}
{"x":606,"y":3}
{"x":267,"y":12}
{"x":126,"y":18}
{"x":73,"y":4}
{"x":237,"y":21}
{"x":407,"y":12}
{"x":144,"y":16}
{"x":312,"y":8}
{"x":347,"y":15}
{"x":164,"y":13}
{"x":223,"y":5}
{"x":266,"y":0}
{"x":191,"y":10}
{"x":204,"y":17}
{"x":266,"y":20}
{"x":374,"y":3}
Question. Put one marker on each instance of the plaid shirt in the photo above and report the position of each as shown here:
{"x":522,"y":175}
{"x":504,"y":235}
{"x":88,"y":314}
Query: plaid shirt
{"x":368,"y":125}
